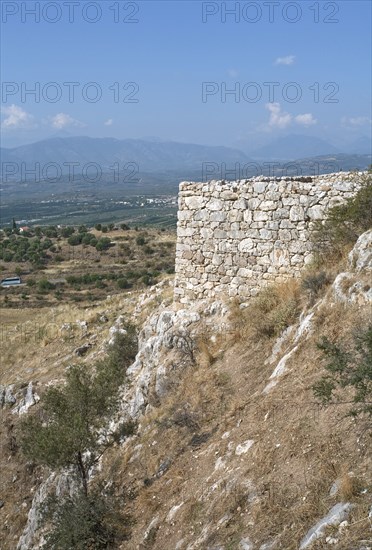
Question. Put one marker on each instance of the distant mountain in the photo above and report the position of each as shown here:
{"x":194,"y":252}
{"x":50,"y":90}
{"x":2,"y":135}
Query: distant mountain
{"x":293,"y":147}
{"x":152,"y":155}
{"x":362,"y":145}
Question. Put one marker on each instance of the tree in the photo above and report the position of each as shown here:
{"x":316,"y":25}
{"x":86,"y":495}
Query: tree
{"x":103,"y":244}
{"x":348,"y":369}
{"x":70,"y":428}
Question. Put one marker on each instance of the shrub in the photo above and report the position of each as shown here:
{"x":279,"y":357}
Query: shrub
{"x":67,"y":231}
{"x":314,"y":282}
{"x":123,"y":283}
{"x":140,"y":240}
{"x":44,"y":285}
{"x":74,"y":240}
{"x":348,"y":368}
{"x":83,"y":522}
{"x":103,"y":244}
{"x":344,"y":223}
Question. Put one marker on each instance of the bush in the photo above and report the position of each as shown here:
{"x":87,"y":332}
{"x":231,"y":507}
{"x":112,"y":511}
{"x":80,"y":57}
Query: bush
{"x":44,"y":285}
{"x":81,"y":522}
{"x":314,"y":282}
{"x":67,"y":231}
{"x":74,"y":240}
{"x":344,"y":223}
{"x":140,"y":241}
{"x":123,"y":283}
{"x":348,"y":369}
{"x":103,"y":244}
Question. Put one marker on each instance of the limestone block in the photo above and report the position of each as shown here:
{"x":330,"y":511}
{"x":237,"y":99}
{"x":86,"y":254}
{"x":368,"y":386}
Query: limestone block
{"x":218,"y":216}
{"x":268,"y":205}
{"x":219,"y":234}
{"x":258,"y":216}
{"x":296,"y":213}
{"x":280,"y":257}
{"x":265,"y":234}
{"x":194,"y":202}
{"x":245,"y":245}
{"x":244,"y":272}
{"x":315,"y":212}
{"x":215,"y":204}
{"x":253,"y":204}
{"x":201,"y":215}
{"x":259,"y":187}
{"x":241,"y":204}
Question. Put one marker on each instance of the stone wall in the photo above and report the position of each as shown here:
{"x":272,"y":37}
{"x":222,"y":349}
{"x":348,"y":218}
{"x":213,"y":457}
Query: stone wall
{"x":234,"y":237}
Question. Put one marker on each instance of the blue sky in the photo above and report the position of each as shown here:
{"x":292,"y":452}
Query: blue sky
{"x":316,"y":52}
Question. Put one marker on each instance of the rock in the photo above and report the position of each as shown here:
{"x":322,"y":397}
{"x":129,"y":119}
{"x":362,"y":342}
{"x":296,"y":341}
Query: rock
{"x":243,"y":448}
{"x":30,"y":398}
{"x":82,"y":350}
{"x":9,"y":398}
{"x":164,"y":467}
{"x":103,"y":319}
{"x":2,"y":504}
{"x":335,"y":516}
{"x":360,"y":258}
{"x":83,"y":325}
{"x":245,"y":544}
{"x":173,"y":511}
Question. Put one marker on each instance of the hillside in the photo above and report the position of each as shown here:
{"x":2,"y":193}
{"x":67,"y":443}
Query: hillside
{"x":230,"y":447}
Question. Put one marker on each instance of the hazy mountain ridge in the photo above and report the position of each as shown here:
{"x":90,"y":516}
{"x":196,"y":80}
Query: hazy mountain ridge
{"x":149,"y":155}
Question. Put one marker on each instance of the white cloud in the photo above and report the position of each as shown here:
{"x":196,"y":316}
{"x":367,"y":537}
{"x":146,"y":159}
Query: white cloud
{"x":287,"y":60}
{"x":278,"y":118}
{"x":15,"y":117}
{"x":61,"y":120}
{"x":355,"y":121}
{"x":108,"y":122}
{"x":306,"y":119}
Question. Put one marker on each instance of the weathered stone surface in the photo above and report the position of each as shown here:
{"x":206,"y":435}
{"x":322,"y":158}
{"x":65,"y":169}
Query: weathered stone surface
{"x":235,"y":237}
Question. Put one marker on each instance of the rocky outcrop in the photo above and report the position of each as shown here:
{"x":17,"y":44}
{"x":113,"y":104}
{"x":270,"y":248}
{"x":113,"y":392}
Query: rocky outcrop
{"x":355,"y":286}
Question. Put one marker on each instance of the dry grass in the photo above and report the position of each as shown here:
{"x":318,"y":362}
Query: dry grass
{"x":269,"y":313}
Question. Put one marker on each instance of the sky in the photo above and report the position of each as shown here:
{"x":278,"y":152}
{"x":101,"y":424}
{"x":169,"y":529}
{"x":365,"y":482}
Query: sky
{"x":221,"y":73}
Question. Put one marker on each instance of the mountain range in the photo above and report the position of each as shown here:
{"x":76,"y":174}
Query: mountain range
{"x":186,"y":160}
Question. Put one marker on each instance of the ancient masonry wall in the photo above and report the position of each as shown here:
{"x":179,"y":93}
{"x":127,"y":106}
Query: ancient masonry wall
{"x":235,"y":237}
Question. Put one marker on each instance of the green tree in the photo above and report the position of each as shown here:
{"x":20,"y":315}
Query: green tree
{"x":103,"y":244}
{"x":70,"y":428}
{"x":348,"y":369}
